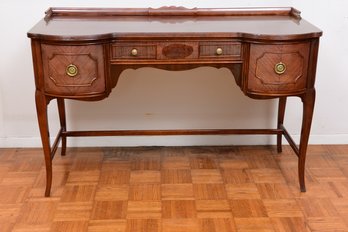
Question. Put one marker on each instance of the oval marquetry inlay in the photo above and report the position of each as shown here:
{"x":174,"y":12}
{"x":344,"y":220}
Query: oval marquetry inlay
{"x":177,"y":51}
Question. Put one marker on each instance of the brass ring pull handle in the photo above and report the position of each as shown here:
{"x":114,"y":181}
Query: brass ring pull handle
{"x":134,"y":52}
{"x":219,"y":51}
{"x":72,"y":70}
{"x":280,"y":68}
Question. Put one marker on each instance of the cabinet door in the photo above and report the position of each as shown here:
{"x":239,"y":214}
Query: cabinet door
{"x":73,"y":71}
{"x":278,"y":69}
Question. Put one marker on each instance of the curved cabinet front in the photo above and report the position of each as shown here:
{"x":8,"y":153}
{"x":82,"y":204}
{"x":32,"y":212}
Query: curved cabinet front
{"x":278,"y":69}
{"x":73,"y":71}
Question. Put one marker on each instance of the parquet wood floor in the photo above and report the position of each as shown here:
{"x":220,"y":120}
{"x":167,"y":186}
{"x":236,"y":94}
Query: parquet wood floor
{"x":175,"y":189}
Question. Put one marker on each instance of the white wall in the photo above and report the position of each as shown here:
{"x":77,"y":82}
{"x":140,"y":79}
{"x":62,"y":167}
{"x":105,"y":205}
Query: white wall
{"x":201,"y":98}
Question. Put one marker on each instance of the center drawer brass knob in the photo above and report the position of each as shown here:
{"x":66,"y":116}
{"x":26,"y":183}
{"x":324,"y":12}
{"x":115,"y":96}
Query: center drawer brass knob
{"x":280,"y":68}
{"x":71,"y":70}
{"x":219,"y":51}
{"x":134,"y":52}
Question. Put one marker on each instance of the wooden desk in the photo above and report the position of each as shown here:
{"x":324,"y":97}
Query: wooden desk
{"x":79,"y":53}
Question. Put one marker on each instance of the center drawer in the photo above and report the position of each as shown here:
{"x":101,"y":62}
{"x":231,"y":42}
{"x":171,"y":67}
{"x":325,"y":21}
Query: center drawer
{"x":176,"y":50}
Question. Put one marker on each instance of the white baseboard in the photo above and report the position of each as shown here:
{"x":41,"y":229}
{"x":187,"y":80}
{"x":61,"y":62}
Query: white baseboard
{"x":133,"y":141}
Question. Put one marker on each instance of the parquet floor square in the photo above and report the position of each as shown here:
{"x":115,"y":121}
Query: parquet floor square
{"x":274,"y":191}
{"x":144,"y":209}
{"x":103,"y":210}
{"x":76,"y":177}
{"x":244,"y":208}
{"x":200,"y":176}
{"x":80,"y":211}
{"x":282,"y":208}
{"x":175,"y":162}
{"x":146,"y":162}
{"x":179,"y":209}
{"x":141,"y":176}
{"x":202,"y":161}
{"x":237,"y":176}
{"x":74,"y":193}
{"x":242,"y":191}
{"x":145,"y":192}
{"x":209,"y":191}
{"x":213,"y":206}
{"x":112,"y":193}
{"x":177,"y":192}
{"x":175,"y":189}
{"x":113,"y":177}
{"x":176,"y":176}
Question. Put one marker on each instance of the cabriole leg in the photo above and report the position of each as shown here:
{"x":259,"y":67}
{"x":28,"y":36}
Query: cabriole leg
{"x":41,"y":108}
{"x":308,"y":100}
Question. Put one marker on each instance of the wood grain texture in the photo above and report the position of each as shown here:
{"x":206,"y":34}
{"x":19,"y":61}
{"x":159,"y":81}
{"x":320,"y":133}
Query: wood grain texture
{"x":262,"y":75}
{"x":229,"y":50}
{"x":89,"y":60}
{"x":91,"y":195}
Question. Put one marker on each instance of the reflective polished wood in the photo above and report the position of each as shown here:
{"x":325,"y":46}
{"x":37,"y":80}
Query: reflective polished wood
{"x":79,"y":53}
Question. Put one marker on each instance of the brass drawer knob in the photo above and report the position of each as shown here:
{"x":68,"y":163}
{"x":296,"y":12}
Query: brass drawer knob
{"x":219,"y":51}
{"x":134,"y":52}
{"x":71,"y":70}
{"x":280,"y":68}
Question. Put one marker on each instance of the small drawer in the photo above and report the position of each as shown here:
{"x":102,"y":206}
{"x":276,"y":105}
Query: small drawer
{"x":73,"y":70}
{"x":133,"y":51}
{"x":220,"y":49}
{"x":278,"y":69}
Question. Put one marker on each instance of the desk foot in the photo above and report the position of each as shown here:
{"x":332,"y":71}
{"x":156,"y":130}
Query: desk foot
{"x":303,"y":189}
{"x":48,"y":181}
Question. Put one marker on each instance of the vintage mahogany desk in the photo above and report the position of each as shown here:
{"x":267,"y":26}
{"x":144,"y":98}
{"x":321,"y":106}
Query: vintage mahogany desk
{"x":79,"y":53}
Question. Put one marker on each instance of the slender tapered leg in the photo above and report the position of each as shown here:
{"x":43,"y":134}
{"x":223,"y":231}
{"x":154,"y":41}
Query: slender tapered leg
{"x":281,"y":113}
{"x":308,"y":100}
{"x":62,"y":119}
{"x":41,"y":108}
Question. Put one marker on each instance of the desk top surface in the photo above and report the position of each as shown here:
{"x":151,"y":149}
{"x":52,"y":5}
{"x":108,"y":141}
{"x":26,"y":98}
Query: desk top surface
{"x":89,"y":24}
